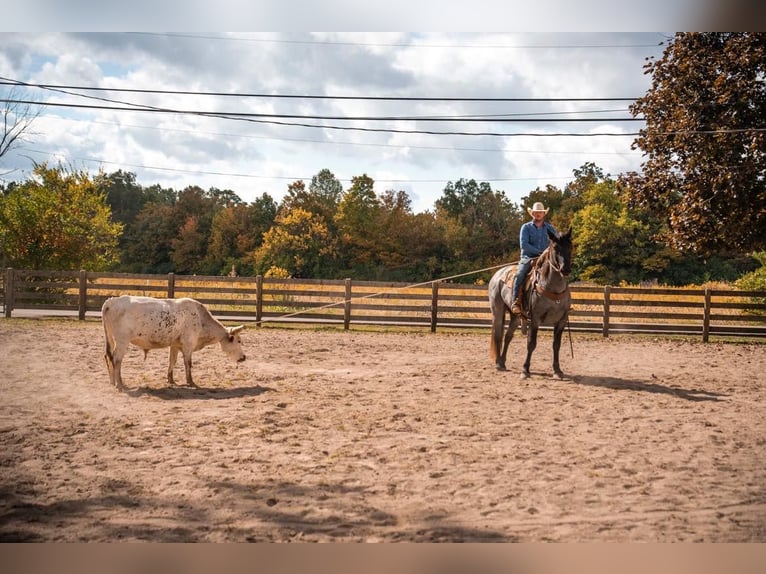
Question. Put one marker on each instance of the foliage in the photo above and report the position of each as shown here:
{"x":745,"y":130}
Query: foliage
{"x":58,"y":219}
{"x":610,"y":239}
{"x":299,"y":242}
{"x":756,"y":279}
{"x":705,"y":171}
{"x":479,"y":224}
{"x":375,"y":236}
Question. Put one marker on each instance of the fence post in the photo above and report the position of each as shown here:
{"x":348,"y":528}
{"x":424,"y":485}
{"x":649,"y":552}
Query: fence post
{"x":706,"y":316}
{"x":347,"y":306}
{"x":258,"y":299}
{"x":9,"y":289}
{"x":171,"y":285}
{"x":607,"y":294}
{"x":83,"y":301}
{"x":434,"y":305}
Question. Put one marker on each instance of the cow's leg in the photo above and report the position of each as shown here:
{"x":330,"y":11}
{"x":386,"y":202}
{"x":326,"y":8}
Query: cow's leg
{"x":172,"y":363}
{"x":531,"y":344}
{"x":188,"y":367}
{"x":115,"y":372}
{"x":558,"y":331}
{"x":109,"y":359}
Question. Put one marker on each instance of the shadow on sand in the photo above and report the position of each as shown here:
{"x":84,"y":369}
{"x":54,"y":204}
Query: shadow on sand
{"x":198,"y":393}
{"x":618,"y":384}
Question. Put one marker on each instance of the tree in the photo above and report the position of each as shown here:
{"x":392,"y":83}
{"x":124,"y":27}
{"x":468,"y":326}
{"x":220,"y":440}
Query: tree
{"x":17,"y":118}
{"x":236,"y":232}
{"x":481,"y":225}
{"x":321,"y":198}
{"x":357,"y":223}
{"x":300,"y":243}
{"x":611,"y":241}
{"x":705,"y":171}
{"x":149,"y":237}
{"x":57,"y":219}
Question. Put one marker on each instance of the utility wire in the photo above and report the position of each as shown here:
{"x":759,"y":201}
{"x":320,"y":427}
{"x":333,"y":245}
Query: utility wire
{"x":12,"y":82}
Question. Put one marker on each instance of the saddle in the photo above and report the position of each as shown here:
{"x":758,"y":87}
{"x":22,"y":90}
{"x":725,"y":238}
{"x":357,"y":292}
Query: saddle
{"x":510,"y":277}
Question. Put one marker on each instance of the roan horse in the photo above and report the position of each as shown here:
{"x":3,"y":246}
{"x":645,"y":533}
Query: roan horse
{"x":545,"y":301}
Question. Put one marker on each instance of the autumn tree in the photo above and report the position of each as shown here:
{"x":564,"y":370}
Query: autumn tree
{"x":57,"y":219}
{"x":704,"y":142}
{"x":321,"y":198}
{"x":298,"y":242}
{"x":236,"y":232}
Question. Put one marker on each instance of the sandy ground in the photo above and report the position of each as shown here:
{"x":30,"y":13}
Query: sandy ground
{"x":377,"y":436}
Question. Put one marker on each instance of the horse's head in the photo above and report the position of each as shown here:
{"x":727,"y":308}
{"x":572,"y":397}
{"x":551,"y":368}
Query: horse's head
{"x":560,"y":248}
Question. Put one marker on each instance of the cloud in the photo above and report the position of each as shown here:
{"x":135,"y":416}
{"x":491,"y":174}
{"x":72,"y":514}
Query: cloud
{"x":256,"y":155}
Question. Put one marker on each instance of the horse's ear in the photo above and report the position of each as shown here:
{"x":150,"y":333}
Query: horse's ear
{"x":552,"y":236}
{"x":568,"y":234}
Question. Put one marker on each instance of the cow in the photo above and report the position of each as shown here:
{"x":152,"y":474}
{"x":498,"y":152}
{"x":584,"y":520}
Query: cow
{"x":184,"y":325}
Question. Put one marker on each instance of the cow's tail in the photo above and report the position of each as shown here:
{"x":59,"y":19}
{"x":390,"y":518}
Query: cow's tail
{"x":108,"y":337}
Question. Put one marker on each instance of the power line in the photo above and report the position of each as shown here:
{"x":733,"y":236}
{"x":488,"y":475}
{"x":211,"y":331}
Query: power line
{"x":262,"y":118}
{"x":11,"y":82}
{"x":348,"y":143}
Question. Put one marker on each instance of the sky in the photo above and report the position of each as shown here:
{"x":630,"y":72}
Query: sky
{"x":413,"y":152}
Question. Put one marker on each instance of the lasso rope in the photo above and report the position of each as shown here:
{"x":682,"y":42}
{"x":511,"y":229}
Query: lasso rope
{"x":371,"y":295}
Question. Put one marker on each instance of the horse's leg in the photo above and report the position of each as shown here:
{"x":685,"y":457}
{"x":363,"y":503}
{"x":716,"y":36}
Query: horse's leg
{"x":531,"y":344}
{"x":514,"y":322}
{"x":558,"y":331}
{"x":498,"y":321}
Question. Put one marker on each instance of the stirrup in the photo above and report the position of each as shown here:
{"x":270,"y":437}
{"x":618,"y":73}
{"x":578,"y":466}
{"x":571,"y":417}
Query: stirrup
{"x":516,"y":307}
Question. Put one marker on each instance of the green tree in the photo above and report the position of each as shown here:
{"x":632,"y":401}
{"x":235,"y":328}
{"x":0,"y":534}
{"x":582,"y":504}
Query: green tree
{"x":705,"y":148}
{"x":57,"y":219}
{"x":480,"y":225}
{"x":357,"y":223}
{"x":611,"y":242}
{"x":148,"y":245}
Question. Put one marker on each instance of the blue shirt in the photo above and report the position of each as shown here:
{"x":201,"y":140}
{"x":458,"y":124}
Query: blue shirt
{"x":534,"y":239}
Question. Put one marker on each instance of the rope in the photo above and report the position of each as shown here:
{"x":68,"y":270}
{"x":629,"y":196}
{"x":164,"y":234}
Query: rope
{"x":371,"y":295}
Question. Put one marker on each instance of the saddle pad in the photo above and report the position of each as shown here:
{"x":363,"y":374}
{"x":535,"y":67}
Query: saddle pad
{"x":510,"y":275}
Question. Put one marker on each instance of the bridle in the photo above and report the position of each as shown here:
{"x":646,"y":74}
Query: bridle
{"x":553,"y":264}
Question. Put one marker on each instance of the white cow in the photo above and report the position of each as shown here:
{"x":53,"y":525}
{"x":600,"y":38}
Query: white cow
{"x":182,"y":324}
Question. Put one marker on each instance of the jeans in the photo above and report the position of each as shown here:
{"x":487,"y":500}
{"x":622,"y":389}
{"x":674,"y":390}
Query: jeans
{"x":521,"y":274}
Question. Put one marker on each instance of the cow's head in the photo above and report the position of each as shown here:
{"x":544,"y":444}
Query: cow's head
{"x":232,"y":345}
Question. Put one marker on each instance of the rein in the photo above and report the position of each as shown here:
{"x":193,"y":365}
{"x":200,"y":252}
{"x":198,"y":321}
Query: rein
{"x":553,"y":296}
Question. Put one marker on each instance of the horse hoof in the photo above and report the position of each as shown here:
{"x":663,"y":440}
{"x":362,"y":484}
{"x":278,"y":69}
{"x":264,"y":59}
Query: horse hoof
{"x":524,"y":375}
{"x":559,"y":375}
{"x":500,"y":367}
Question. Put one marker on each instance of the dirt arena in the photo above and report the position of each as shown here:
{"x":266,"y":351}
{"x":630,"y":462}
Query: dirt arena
{"x":325,"y":435}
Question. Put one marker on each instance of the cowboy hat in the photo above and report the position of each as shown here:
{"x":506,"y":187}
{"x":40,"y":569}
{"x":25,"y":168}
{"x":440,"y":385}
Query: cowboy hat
{"x":537,"y":206}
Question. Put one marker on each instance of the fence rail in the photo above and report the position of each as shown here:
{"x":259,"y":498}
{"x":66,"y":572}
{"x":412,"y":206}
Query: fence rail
{"x":607,"y":310}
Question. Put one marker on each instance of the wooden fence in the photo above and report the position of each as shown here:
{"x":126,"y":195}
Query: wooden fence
{"x":605,"y":310}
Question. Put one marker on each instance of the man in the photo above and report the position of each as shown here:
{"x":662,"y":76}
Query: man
{"x":533,"y":238}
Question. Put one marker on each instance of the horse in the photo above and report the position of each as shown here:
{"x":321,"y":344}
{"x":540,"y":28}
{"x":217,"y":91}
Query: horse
{"x":545,"y":301}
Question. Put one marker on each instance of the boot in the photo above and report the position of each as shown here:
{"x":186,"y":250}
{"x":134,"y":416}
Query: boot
{"x":516,"y":307}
